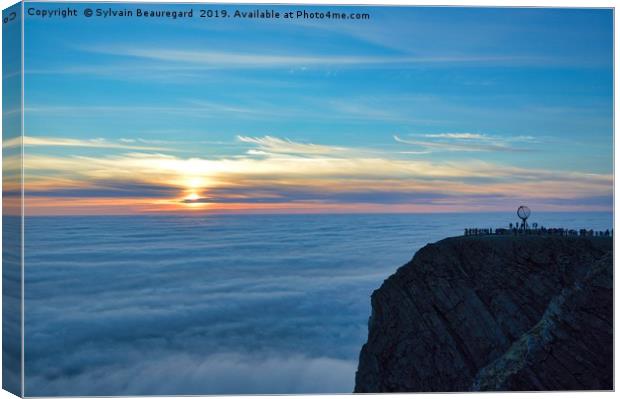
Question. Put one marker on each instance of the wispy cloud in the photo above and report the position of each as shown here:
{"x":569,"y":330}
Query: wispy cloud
{"x":467,"y":142}
{"x":124,"y":144}
{"x":460,"y":136}
{"x":481,"y":137}
{"x":283,"y":172}
{"x":274,"y":145}
{"x":226,"y":59}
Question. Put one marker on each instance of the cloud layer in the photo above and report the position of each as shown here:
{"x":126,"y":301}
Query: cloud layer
{"x":272,"y":173}
{"x":189,"y":304}
{"x":224,"y":304}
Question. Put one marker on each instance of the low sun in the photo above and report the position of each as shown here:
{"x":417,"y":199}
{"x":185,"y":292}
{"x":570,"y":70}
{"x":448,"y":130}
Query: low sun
{"x":192,"y":189}
{"x":191,"y":200}
{"x":192,"y":197}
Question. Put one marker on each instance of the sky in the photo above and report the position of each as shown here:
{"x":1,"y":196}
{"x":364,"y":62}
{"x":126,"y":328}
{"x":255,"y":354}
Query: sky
{"x":413,"y":110}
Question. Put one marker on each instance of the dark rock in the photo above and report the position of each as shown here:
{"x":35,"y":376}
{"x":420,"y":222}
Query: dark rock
{"x":494,"y":313}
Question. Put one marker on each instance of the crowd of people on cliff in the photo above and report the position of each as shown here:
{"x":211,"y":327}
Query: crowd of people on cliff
{"x":516,"y":230}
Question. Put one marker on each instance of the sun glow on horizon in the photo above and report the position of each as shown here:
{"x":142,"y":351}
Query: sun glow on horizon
{"x":192,"y":197}
{"x":195,"y":182}
{"x":191,"y":200}
{"x":345,"y":181}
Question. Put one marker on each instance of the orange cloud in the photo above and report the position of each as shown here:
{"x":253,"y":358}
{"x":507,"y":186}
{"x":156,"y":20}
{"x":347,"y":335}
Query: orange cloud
{"x":287,"y":176}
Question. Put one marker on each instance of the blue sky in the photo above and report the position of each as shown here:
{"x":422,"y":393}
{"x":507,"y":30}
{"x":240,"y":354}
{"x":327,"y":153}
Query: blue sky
{"x":521,"y":90}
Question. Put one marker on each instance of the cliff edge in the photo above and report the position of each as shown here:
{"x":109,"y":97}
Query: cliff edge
{"x":494,"y":313}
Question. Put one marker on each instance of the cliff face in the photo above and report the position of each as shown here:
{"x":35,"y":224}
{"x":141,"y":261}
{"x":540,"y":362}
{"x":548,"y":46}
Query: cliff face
{"x":494,"y":313}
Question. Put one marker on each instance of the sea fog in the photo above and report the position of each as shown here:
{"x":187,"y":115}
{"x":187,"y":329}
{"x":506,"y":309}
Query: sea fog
{"x":217,"y":304}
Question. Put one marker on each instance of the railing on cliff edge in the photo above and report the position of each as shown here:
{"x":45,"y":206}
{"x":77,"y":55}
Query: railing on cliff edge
{"x":538,"y":231}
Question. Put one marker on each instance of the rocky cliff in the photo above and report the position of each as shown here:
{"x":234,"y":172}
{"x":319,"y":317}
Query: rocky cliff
{"x":494,"y":313}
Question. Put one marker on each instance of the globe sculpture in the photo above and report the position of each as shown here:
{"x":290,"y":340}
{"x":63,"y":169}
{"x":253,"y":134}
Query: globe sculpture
{"x":523,"y":212}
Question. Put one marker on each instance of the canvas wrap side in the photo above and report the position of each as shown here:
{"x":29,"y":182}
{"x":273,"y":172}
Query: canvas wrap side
{"x":12,"y":193}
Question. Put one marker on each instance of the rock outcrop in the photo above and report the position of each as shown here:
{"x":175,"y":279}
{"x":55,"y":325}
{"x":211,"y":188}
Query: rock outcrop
{"x":494,"y":313}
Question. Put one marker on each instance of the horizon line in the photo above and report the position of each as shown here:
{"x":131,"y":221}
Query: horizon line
{"x":185,"y":213}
